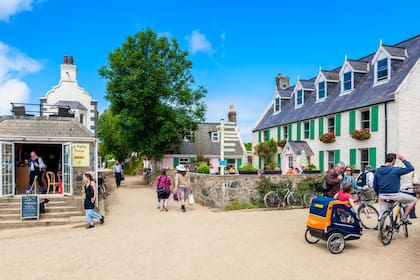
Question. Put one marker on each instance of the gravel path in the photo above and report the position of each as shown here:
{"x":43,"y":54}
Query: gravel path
{"x":139,"y":242}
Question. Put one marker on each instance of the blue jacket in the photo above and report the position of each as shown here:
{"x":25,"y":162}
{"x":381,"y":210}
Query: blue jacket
{"x":387,"y":178}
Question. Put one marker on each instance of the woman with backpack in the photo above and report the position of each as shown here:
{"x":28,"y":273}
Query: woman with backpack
{"x":163,"y":189}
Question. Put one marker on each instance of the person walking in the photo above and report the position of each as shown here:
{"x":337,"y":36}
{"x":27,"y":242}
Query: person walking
{"x":36,"y":166}
{"x":333,"y":179}
{"x":118,"y":172}
{"x":163,"y":189}
{"x":182,"y":185}
{"x":386,"y":184}
{"x":90,"y":198}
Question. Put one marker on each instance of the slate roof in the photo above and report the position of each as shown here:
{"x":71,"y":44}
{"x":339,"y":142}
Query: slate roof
{"x":204,"y":145}
{"x":43,"y":127}
{"x":395,"y":51}
{"x":308,"y":85}
{"x":363,"y":95}
{"x":358,"y":65}
{"x":299,"y":146}
{"x":331,"y":75}
{"x":72,"y":104}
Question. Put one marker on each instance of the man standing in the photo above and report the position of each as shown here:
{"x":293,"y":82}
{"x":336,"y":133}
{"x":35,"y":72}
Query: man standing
{"x":386,"y":184}
{"x":36,"y":165}
{"x":333,"y":179}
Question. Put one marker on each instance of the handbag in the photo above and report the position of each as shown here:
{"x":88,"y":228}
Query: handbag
{"x":122,"y":177}
{"x":191,"y":198}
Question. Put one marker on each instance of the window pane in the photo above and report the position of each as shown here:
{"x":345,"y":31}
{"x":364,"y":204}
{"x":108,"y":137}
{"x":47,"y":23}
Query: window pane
{"x":330,"y":159}
{"x":382,"y":69}
{"x":331,"y":124}
{"x":277,"y":106}
{"x":299,"y":97}
{"x":364,"y":158}
{"x":365,"y":119}
{"x":347,"y":81}
{"x":321,"y":90}
{"x":306,"y":130}
{"x":285,"y":134}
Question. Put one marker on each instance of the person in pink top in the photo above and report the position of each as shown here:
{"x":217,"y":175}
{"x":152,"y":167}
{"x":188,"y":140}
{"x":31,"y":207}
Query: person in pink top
{"x":345,"y":195}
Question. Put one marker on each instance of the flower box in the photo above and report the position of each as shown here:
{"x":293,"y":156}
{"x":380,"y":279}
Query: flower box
{"x":327,"y":138}
{"x":361,"y":134}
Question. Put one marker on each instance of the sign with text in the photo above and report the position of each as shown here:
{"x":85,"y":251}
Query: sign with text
{"x":222,"y":162}
{"x":29,"y":207}
{"x":81,"y":155}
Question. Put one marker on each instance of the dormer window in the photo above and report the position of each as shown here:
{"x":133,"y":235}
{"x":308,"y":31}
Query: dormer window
{"x":381,"y":70}
{"x":321,"y":94}
{"x":277,"y":104}
{"x":347,"y":81}
{"x":299,"y":98}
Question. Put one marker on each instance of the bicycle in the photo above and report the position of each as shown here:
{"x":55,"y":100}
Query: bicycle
{"x":147,"y":175}
{"x":368,"y":215}
{"x":282,"y":198}
{"x":102,"y":186}
{"x":309,"y":195}
{"x":388,"y":223}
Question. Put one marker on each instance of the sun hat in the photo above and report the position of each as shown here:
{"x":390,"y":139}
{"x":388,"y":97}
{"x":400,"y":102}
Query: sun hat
{"x":180,"y":168}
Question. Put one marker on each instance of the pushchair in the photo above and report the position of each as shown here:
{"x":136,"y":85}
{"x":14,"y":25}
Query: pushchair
{"x":333,"y":221}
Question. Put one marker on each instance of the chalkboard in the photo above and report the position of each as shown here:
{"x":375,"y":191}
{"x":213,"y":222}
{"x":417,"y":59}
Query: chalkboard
{"x":29,"y":207}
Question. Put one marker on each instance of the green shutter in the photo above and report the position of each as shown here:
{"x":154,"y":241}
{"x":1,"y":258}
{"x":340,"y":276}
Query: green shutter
{"x":320,"y":126}
{"x":259,"y":136}
{"x":278,"y":133}
{"x":338,"y":124}
{"x":298,"y":130}
{"x":279,"y":160}
{"x":353,"y":157}
{"x":176,"y":161}
{"x":239,"y":163}
{"x":259,"y":163}
{"x":312,"y":129}
{"x":192,"y":159}
{"x":289,"y":131}
{"x":336,"y":156}
{"x":268,"y":135}
{"x":321,"y":161}
{"x":372,"y":157}
{"x":352,"y":121}
{"x":374,"y":114}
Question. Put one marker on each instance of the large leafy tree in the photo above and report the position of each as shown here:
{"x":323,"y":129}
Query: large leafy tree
{"x":152,"y":92}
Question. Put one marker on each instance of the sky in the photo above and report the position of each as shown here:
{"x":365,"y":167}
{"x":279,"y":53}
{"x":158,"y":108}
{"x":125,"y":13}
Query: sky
{"x":237,"y":47}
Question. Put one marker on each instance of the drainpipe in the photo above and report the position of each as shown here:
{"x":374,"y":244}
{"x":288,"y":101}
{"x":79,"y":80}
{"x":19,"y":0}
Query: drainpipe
{"x":386,"y":128}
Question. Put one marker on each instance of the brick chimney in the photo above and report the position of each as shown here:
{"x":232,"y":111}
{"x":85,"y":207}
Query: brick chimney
{"x":68,"y":70}
{"x":231,"y":114}
{"x":282,"y":82}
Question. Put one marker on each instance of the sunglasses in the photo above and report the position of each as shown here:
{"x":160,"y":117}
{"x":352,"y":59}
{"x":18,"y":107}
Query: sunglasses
{"x":349,"y":170}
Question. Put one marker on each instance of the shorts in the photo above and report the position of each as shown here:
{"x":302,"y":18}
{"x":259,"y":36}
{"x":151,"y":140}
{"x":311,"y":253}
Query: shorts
{"x":404,"y":198}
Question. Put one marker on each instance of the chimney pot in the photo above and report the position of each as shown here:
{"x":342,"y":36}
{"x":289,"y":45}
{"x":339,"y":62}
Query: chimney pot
{"x":66,"y":59}
{"x":71,"y":59}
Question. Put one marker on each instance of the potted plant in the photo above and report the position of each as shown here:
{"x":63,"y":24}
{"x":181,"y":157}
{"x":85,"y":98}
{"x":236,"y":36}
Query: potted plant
{"x":311,"y":169}
{"x":281,"y":143}
{"x":247,"y":169}
{"x":327,"y":138}
{"x":267,"y":150}
{"x":361,"y":134}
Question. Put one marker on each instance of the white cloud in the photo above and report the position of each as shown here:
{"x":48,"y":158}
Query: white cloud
{"x":14,"y":65}
{"x":9,"y":8}
{"x":198,"y":43}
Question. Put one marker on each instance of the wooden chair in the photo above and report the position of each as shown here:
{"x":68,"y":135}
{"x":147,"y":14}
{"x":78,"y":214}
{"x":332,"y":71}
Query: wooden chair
{"x":51,"y":181}
{"x":20,"y":111}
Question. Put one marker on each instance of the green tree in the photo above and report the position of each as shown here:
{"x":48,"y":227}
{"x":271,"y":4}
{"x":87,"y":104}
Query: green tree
{"x":152,"y":92}
{"x":111,"y":134}
{"x":248,"y":146}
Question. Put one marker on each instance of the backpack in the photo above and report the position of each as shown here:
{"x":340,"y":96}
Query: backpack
{"x":361,"y":179}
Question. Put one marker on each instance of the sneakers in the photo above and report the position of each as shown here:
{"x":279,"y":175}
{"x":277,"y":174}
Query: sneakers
{"x":102,"y":220}
{"x":90,"y":226}
{"x":406,"y":221}
{"x":183,"y":208}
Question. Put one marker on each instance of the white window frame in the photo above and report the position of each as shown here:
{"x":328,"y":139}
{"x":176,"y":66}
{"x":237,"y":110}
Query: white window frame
{"x":184,"y":161}
{"x":363,"y":162}
{"x":318,"y":98}
{"x":297,"y":96}
{"x":328,"y":124}
{"x":330,"y":154}
{"x":277,"y":110}
{"x":215,"y":137}
{"x":285,"y":132}
{"x":344,"y":91}
{"x":306,"y":132}
{"x":381,"y":57}
{"x":362,"y":121}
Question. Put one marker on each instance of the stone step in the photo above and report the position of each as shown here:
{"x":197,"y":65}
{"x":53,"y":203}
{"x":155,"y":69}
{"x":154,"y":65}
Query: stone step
{"x":75,"y":221}
{"x":65,"y":213}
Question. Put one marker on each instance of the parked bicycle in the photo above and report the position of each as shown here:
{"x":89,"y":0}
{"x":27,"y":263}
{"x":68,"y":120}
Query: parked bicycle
{"x":309,"y":195}
{"x":388,"y":223}
{"x":282,"y":198}
{"x":103,"y":189}
{"x":367,"y":214}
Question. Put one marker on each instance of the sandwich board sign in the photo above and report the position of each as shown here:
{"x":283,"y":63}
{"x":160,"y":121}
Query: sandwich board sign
{"x":29,"y":207}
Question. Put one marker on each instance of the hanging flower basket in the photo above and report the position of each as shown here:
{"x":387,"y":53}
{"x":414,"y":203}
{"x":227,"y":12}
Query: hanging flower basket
{"x":281,"y":143}
{"x":327,"y":138}
{"x":361,"y":134}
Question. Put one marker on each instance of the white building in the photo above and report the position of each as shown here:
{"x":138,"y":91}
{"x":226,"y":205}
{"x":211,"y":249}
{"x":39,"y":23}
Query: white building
{"x":68,"y":94}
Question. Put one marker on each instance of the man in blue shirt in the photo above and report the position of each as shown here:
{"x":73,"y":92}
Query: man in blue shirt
{"x":386,"y":184}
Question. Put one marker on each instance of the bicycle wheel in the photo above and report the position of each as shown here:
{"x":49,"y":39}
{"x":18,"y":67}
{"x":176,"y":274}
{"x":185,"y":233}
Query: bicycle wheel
{"x":402,"y":226}
{"x":294,"y":199}
{"x":307,"y":198}
{"x":368,"y":216}
{"x":272,"y":200}
{"x":310,"y":238}
{"x":336,"y":243}
{"x":385,"y":228}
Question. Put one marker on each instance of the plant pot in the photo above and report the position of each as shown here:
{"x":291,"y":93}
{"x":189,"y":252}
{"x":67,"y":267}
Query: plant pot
{"x":311,"y":172}
{"x":272,"y":172}
{"x":249,"y":172}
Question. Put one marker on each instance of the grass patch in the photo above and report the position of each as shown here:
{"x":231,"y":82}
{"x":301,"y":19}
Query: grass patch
{"x":238,"y":205}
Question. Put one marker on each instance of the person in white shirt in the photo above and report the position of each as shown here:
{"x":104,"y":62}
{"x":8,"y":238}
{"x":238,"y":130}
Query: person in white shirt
{"x":36,"y":166}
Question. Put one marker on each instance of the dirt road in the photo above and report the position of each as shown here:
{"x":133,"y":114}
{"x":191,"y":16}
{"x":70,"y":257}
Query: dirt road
{"x":139,"y":242}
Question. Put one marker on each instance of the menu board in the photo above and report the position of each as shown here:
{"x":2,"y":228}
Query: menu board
{"x":29,"y":207}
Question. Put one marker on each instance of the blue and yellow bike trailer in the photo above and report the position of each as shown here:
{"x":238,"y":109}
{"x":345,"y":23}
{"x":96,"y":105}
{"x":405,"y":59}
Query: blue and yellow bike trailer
{"x":333,"y":221}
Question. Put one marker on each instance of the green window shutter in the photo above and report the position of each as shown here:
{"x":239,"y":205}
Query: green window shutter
{"x":336,"y":156}
{"x":259,"y":136}
{"x":289,"y":131}
{"x":298,"y":129}
{"x":176,"y":161}
{"x":239,"y":163}
{"x":268,"y":135}
{"x":312,"y":129}
{"x":321,"y":161}
{"x":338,"y":124}
{"x":353,"y":157}
{"x":259,"y":163}
{"x":279,"y":160}
{"x":278,"y":133}
{"x":372,"y":157}
{"x":374,"y":114}
{"x":192,"y":159}
{"x":320,"y":126}
{"x":352,"y":121}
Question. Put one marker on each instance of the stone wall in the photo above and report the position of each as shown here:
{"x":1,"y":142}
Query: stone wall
{"x":219,"y":191}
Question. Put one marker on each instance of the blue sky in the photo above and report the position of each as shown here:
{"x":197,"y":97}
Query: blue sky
{"x":237,"y":47}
